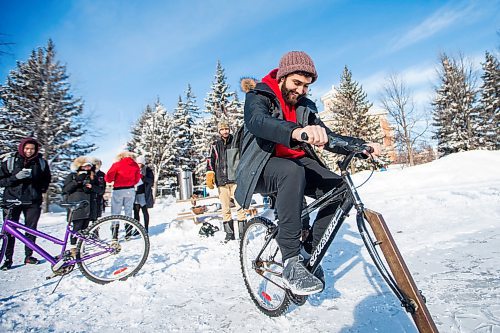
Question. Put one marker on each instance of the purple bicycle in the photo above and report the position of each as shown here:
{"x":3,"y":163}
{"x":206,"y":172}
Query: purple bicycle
{"x":113,"y":248}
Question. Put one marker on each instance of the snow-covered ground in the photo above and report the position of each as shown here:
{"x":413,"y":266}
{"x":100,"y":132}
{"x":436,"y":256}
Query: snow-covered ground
{"x":444,"y":216}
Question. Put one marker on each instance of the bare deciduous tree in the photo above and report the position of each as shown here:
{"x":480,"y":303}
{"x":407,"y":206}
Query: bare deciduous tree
{"x":396,"y":99}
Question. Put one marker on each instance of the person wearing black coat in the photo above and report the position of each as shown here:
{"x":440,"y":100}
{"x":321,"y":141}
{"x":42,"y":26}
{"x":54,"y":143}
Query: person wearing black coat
{"x":25,"y":176}
{"x":100,"y":178}
{"x":144,"y":193}
{"x":275,"y":159}
{"x":217,"y":174}
{"x":82,"y":184}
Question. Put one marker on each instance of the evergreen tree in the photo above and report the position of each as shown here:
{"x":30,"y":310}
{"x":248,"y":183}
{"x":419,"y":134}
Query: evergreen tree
{"x":217,"y":103}
{"x":137,"y":130}
{"x":152,"y":137}
{"x":182,"y":136}
{"x":489,"y":116}
{"x":190,"y":104}
{"x":235,"y":112}
{"x":156,"y":144}
{"x":39,"y":103}
{"x":455,"y":116}
{"x":350,"y":109}
{"x":199,"y":146}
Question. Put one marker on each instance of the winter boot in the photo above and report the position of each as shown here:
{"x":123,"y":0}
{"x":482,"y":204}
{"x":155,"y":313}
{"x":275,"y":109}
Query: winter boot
{"x":114,"y":231}
{"x":298,"y":279}
{"x":7,"y":264}
{"x":30,"y":260}
{"x":229,"y":229}
{"x":241,"y":227}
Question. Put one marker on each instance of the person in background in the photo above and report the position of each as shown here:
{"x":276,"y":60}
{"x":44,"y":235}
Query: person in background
{"x":100,"y":178}
{"x":124,"y":174}
{"x":144,"y":193}
{"x":82,"y":184}
{"x":25,"y":176}
{"x":217,"y":175}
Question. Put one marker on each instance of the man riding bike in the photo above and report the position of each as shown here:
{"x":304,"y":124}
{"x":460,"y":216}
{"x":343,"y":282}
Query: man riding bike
{"x":275,"y":160}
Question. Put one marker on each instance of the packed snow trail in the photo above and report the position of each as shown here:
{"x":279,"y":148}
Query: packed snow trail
{"x":443,"y":215}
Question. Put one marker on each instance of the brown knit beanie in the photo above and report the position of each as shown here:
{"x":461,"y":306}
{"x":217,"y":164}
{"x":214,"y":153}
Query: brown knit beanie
{"x":296,"y":61}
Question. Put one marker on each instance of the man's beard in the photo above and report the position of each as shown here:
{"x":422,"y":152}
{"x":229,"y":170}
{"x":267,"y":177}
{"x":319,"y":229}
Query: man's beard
{"x":289,"y":96}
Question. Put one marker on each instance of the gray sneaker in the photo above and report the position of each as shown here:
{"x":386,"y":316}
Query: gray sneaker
{"x":298,"y":279}
{"x":319,"y":273}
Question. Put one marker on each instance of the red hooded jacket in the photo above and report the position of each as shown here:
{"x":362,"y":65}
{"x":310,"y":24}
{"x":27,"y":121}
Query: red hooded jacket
{"x":288,"y":113}
{"x":125,"y":173}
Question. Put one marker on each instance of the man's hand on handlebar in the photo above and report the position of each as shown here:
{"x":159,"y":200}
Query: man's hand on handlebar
{"x":316,"y":135}
{"x":376,"y":149}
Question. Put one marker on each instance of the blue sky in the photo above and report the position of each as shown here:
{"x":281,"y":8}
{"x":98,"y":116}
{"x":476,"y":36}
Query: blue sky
{"x":122,"y":55}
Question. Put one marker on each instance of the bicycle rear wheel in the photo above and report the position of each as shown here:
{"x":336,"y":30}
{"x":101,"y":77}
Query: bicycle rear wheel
{"x":263,"y":277}
{"x":114,"y":248}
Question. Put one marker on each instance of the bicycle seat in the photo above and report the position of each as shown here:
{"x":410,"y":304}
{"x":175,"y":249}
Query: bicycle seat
{"x":75,"y":205}
{"x":11,"y":203}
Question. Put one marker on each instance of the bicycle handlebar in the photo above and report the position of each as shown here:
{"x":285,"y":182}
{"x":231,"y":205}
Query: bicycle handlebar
{"x":334,"y":142}
{"x":10,"y":203}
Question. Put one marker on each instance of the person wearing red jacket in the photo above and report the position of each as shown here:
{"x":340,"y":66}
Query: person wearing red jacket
{"x":124,"y":174}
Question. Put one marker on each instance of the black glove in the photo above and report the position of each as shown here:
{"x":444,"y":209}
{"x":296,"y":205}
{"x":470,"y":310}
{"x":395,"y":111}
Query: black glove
{"x":80,"y":177}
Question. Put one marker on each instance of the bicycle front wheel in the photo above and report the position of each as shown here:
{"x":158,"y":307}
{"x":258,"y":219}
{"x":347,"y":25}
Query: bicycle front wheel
{"x":263,"y":275}
{"x":114,"y":248}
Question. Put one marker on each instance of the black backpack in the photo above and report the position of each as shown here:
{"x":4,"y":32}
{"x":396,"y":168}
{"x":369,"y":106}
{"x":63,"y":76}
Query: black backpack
{"x":233,"y":154}
{"x":10,"y":160}
{"x":208,"y":229}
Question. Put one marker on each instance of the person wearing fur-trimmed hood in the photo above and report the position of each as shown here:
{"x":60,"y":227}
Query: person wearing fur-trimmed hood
{"x":281,"y":128}
{"x":82,"y":184}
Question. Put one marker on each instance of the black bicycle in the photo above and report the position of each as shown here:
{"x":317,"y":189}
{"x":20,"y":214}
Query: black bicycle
{"x":262,"y":266}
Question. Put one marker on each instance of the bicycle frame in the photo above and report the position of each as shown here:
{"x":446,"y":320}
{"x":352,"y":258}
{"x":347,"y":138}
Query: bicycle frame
{"x":13,"y":228}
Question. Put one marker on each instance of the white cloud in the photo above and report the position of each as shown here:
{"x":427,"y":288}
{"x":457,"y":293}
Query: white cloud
{"x":413,"y":77}
{"x":440,"y":20}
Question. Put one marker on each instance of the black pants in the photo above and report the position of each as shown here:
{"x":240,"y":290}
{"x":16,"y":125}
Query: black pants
{"x":31,"y":215}
{"x":291,"y":179}
{"x":145,"y":213}
{"x":78,"y":225}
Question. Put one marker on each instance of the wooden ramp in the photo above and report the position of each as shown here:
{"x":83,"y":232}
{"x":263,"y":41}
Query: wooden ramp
{"x":198,"y":218}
